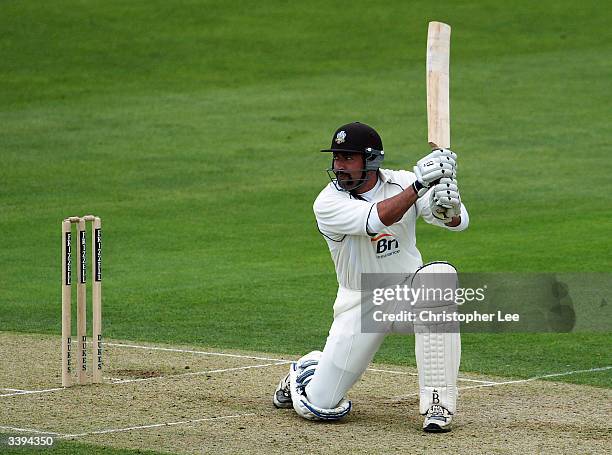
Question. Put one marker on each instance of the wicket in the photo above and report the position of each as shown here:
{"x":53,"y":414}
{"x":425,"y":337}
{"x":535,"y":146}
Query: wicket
{"x":96,"y":240}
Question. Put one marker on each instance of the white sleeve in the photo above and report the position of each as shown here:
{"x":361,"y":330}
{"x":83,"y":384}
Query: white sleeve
{"x":375,"y":225}
{"x":465,"y":221}
{"x":343,"y":216}
{"x":423,"y":210}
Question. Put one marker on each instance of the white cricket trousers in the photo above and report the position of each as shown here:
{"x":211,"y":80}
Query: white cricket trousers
{"x":346,"y":355}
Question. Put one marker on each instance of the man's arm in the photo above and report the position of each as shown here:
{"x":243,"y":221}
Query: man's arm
{"x":459,"y":222}
{"x":338,"y":214}
{"x":392,"y":210}
{"x":437,"y":165}
{"x":456,"y":221}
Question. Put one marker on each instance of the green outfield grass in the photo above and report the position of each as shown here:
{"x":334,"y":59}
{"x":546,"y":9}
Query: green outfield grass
{"x":193,"y":130}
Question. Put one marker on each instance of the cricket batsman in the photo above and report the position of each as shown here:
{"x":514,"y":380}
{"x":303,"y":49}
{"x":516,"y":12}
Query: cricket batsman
{"x":367,"y":216}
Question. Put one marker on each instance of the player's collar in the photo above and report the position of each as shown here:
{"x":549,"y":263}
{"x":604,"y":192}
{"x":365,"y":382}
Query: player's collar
{"x":385,"y":176}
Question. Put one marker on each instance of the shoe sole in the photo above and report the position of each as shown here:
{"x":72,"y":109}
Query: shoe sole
{"x":433,"y":428}
{"x":282,"y":405}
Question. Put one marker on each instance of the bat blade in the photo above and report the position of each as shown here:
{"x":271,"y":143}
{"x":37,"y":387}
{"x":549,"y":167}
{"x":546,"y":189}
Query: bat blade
{"x":438,"y":95}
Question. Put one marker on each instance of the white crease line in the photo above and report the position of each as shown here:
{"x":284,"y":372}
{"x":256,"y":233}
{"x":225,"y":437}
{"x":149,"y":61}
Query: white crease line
{"x":544,"y":376}
{"x":155,"y":425}
{"x":177,"y":376}
{"x":190,"y":351}
{"x":198,"y":373}
{"x":476,"y":380}
{"x":552,"y":375}
{"x":119,"y":430}
{"x":12,"y":390}
{"x":29,"y":430}
{"x":281,"y":362}
{"x":378,"y":370}
{"x":518,"y":381}
{"x":30,"y":392}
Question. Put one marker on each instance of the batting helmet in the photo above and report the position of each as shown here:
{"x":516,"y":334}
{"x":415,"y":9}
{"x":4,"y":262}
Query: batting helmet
{"x":358,"y":137}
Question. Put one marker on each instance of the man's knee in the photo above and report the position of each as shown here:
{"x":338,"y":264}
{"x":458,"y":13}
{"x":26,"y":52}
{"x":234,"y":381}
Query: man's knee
{"x":300,"y":376}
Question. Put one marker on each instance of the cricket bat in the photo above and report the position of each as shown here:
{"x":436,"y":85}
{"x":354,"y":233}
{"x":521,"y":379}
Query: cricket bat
{"x":438,"y":96}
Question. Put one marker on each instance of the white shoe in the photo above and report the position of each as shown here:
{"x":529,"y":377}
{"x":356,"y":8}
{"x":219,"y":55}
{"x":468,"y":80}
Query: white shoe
{"x":282,"y":395}
{"x":437,"y":420}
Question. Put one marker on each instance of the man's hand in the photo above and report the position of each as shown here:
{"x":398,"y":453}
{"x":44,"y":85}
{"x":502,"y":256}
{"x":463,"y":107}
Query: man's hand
{"x":441,"y":163}
{"x":444,"y":200}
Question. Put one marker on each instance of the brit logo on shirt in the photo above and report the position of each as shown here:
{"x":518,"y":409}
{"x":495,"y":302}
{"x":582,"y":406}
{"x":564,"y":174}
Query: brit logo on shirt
{"x":385,"y":245}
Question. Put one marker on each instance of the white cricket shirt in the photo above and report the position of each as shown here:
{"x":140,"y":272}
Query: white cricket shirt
{"x":342,"y":220}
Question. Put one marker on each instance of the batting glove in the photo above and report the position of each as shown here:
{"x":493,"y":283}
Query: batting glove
{"x":444,"y":200}
{"x":441,"y":163}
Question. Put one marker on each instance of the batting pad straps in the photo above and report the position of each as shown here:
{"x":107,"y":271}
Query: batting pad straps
{"x":437,"y":344}
{"x":438,"y":356}
{"x":309,"y":411}
{"x":300,"y":375}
